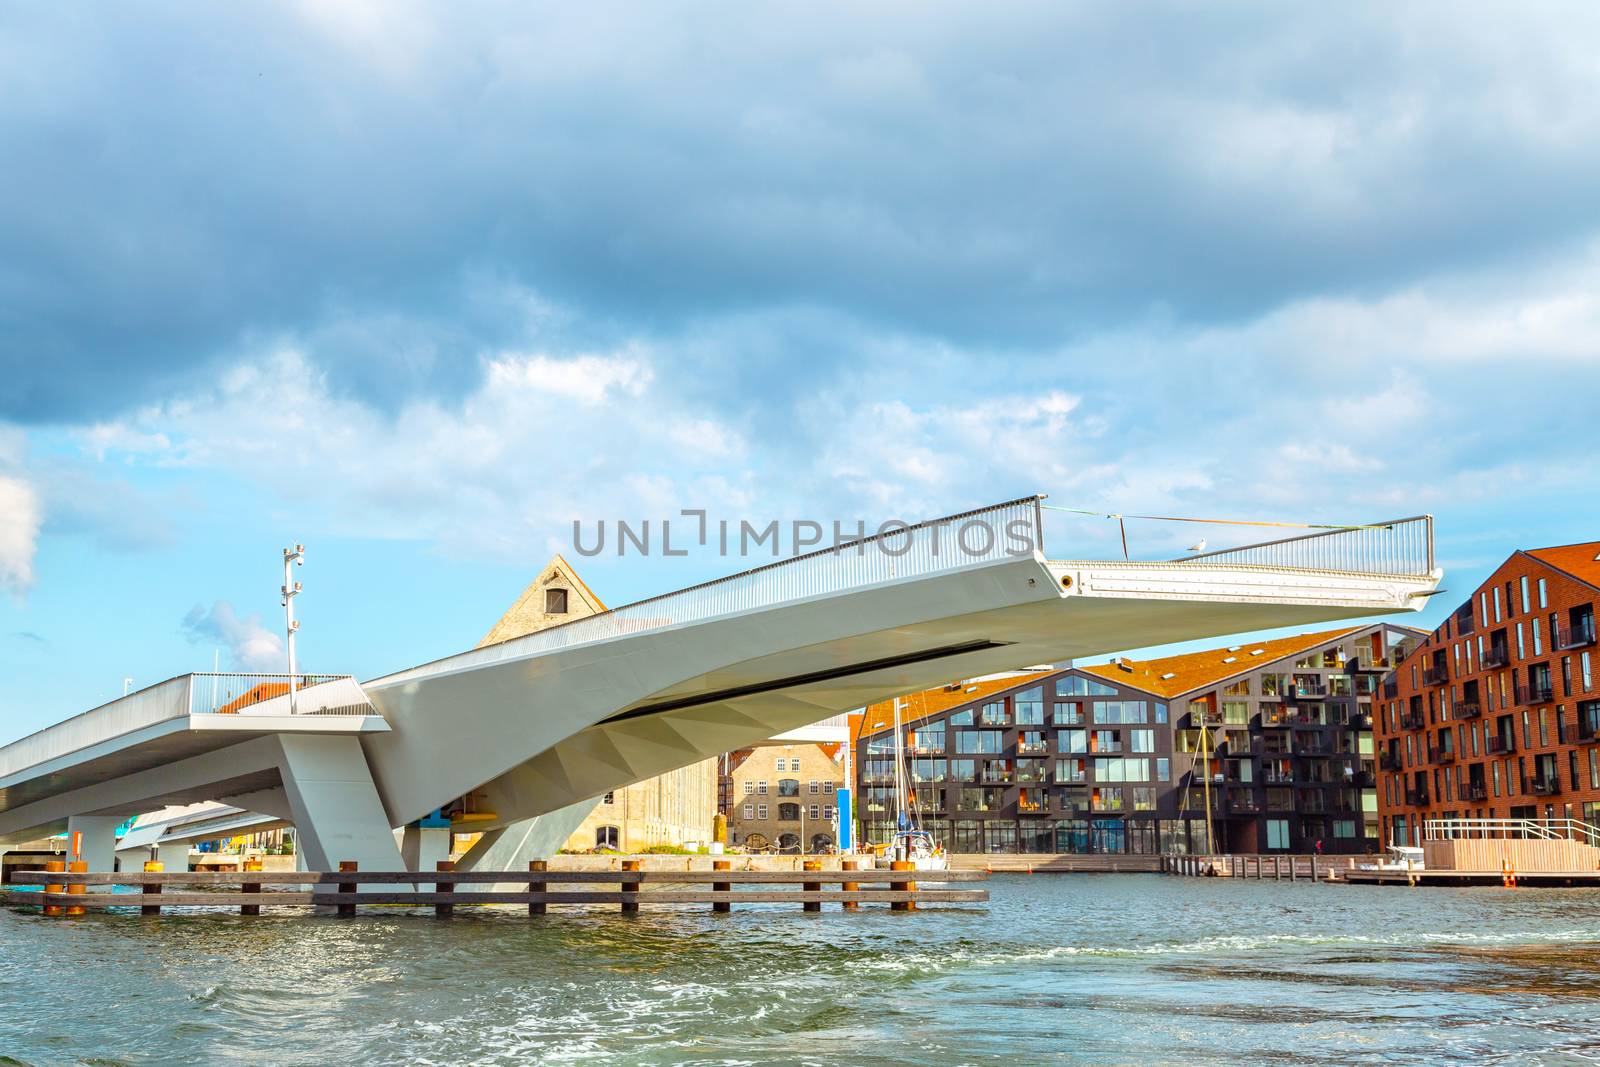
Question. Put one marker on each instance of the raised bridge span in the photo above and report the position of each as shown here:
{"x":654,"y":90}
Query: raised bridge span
{"x":519,"y":737}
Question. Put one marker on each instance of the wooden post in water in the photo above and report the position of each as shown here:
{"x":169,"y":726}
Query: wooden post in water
{"x":849,"y":887}
{"x":1260,"y":867}
{"x":443,"y":911}
{"x":811,"y":887}
{"x":1277,"y":868}
{"x":903,"y":887}
{"x":721,"y":887}
{"x":347,"y":867}
{"x":54,"y":867}
{"x":250,"y":887}
{"x":152,"y":890}
{"x":77,"y":888}
{"x":1313,"y":866}
{"x":537,"y":907}
{"x":630,"y":907}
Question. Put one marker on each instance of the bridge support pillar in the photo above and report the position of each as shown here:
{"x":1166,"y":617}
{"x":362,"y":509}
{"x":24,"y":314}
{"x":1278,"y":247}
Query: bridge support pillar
{"x":99,"y":842}
{"x":511,"y":847}
{"x":424,"y":847}
{"x":337,"y":813}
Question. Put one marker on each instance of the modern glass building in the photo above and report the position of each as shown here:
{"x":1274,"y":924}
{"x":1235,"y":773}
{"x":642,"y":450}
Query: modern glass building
{"x":1119,"y":758}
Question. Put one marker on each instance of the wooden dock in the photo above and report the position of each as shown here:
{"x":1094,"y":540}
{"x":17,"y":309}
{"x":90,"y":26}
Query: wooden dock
{"x":1518,"y":880}
{"x":345,"y":890}
{"x":1277,"y":868}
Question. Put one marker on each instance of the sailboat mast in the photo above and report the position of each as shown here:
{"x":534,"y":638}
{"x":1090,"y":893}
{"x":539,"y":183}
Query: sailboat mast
{"x":899,"y":771}
{"x":1205,"y":763}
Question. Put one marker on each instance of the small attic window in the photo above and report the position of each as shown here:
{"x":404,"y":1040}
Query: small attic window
{"x":555,"y":601}
{"x":1233,"y":648}
{"x":1169,"y":674}
{"x":1230,"y":659}
{"x":1257,"y":651}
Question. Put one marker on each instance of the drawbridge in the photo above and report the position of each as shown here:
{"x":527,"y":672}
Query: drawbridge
{"x":521,"y":735}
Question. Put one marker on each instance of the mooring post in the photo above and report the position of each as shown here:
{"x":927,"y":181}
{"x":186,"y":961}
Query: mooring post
{"x":631,"y":888}
{"x":347,"y":867}
{"x":77,"y":888}
{"x":444,"y":911}
{"x":1313,"y":866}
{"x":152,"y":889}
{"x":1294,"y":868}
{"x":54,"y":867}
{"x":722,"y":887}
{"x":811,"y":887}
{"x":537,"y":907}
{"x":250,"y":887}
{"x":903,"y":887}
{"x":850,"y":887}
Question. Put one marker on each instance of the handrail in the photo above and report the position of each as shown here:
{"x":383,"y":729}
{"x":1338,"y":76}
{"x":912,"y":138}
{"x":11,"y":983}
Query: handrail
{"x":1483,"y":829}
{"x":1402,"y":547}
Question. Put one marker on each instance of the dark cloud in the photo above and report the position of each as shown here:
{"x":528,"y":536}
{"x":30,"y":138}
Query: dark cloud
{"x":403,"y":195}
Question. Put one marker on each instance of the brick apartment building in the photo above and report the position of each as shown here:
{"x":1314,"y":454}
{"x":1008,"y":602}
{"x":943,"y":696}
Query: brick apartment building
{"x":1497,"y":713}
{"x":1107,"y":758}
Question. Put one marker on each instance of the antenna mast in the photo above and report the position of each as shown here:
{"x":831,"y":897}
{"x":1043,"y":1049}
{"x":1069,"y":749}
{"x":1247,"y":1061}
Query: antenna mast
{"x":295,"y":556}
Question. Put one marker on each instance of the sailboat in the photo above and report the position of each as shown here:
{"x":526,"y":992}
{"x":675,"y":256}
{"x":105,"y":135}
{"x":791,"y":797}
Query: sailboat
{"x":910,"y":841}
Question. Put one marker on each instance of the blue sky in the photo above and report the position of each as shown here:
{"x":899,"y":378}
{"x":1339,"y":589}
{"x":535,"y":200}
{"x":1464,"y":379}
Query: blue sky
{"x":419,"y":286}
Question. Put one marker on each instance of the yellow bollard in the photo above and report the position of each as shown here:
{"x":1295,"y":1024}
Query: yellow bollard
{"x":722,"y":887}
{"x":850,"y":887}
{"x":630,"y":907}
{"x":152,"y":889}
{"x":537,"y":907}
{"x":811,"y":887}
{"x":903,"y":887}
{"x":54,"y":867}
{"x":77,"y":888}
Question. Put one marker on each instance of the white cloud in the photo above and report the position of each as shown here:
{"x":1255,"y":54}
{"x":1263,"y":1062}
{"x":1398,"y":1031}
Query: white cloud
{"x":250,"y":645}
{"x":19,"y":533}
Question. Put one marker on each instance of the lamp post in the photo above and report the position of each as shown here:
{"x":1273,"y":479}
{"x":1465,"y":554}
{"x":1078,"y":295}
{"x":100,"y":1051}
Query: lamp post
{"x":295,"y":556}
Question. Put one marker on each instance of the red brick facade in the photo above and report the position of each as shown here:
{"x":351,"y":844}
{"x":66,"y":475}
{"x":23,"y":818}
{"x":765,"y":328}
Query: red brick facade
{"x":1497,"y":714}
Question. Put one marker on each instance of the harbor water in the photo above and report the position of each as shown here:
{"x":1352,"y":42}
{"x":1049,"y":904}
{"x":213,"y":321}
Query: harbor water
{"x":1088,"y":969}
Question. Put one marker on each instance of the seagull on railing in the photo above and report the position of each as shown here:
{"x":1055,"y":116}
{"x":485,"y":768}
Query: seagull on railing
{"x":1198,"y":546}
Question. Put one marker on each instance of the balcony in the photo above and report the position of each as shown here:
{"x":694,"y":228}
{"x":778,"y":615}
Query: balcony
{"x":1569,"y":637}
{"x":1368,"y":664}
{"x":1544,"y":787}
{"x":1417,"y":798}
{"x":1474,"y":791}
{"x":1247,"y":805}
{"x":1466,"y":709}
{"x":1364,"y":780}
{"x":1412,"y":720}
{"x":1538,"y":693}
{"x":1277,"y":777}
{"x":1500,"y":746}
{"x":1441,"y":755}
{"x":1361,"y":720}
{"x":1495,"y":658}
{"x":1039,"y":749}
{"x":1303,"y":690}
{"x":1588,"y":728}
{"x":1388,"y":761}
{"x":1436,"y":675}
{"x":1391,"y":688}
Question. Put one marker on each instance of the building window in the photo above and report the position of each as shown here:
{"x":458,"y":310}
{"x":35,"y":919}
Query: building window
{"x":761,"y":787}
{"x":749,"y":811}
{"x":1277,"y":833}
{"x":813,"y":786}
{"x":827,"y":787}
{"x":608,"y":837}
{"x":1163,"y":770}
{"x":813,"y":812}
{"x":1141,"y":740}
{"x":828,"y":812}
{"x":1068,"y":714}
{"x":749,"y":787}
{"x":761,"y":811}
{"x":1030,"y":706}
{"x":1526,"y":605}
{"x":788,"y":787}
{"x":610,"y":798}
{"x":555,"y":601}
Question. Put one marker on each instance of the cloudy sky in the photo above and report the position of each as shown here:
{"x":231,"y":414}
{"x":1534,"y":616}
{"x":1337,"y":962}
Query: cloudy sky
{"x":419,"y":285}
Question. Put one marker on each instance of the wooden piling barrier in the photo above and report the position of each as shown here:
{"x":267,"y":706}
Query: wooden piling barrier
{"x":811,"y":887}
{"x":721,"y":887}
{"x":77,"y":888}
{"x":250,"y":887}
{"x":630,"y":907}
{"x":345,"y":867}
{"x":152,"y":890}
{"x":850,"y":887}
{"x":903,"y":887}
{"x":537,"y":907}
{"x":1313,"y":866}
{"x":54,"y":867}
{"x":444,"y":911}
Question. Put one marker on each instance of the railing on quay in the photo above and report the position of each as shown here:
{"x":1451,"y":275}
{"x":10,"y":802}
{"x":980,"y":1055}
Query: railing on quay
{"x":1502,"y":829}
{"x":1400,"y":547}
{"x":918,"y":550}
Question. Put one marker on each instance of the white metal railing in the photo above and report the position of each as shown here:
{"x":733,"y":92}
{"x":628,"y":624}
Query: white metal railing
{"x":906,"y":552}
{"x":1402,"y":547}
{"x":187,"y":694}
{"x":1506,"y":829}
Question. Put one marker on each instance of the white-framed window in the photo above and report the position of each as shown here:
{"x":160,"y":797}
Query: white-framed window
{"x":813,"y":812}
{"x":761,"y":811}
{"x":827,"y":787}
{"x":761,"y":787}
{"x":828,"y":812}
{"x":813,"y":786}
{"x":749,"y":787}
{"x":781,"y":763}
{"x":794,"y":764}
{"x":610,"y":798}
{"x":1544,"y":600}
{"x":749,"y":811}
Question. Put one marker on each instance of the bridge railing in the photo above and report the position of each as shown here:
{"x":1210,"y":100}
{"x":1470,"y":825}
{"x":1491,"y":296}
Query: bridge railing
{"x":187,"y":694}
{"x":1400,"y":547}
{"x":1001,"y":531}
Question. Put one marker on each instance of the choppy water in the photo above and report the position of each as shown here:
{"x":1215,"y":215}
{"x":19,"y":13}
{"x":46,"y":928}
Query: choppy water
{"x":1109,"y":969}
